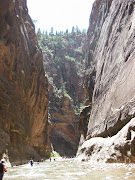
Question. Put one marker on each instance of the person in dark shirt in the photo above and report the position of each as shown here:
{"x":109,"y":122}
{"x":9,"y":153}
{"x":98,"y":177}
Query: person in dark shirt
{"x":2,"y":169}
{"x":31,"y":162}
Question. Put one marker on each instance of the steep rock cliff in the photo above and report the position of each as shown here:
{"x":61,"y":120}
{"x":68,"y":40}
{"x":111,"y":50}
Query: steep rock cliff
{"x":64,"y":132}
{"x":64,"y":65}
{"x":23,"y":86}
{"x":110,"y":71}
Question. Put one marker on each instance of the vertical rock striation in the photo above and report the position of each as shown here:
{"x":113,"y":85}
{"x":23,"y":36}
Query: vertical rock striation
{"x":23,"y":85}
{"x":110,"y":86}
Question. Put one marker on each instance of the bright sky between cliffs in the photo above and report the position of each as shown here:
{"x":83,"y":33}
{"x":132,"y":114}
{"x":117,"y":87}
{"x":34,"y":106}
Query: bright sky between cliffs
{"x":60,"y":14}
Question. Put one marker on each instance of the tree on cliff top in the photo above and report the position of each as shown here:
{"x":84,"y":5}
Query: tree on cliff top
{"x":63,"y":49}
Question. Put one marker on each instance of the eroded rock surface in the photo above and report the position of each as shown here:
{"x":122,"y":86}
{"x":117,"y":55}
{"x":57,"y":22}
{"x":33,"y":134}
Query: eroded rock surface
{"x":64,"y":132}
{"x":23,"y":86}
{"x":114,"y":63}
{"x":110,"y":72}
{"x":118,"y":148}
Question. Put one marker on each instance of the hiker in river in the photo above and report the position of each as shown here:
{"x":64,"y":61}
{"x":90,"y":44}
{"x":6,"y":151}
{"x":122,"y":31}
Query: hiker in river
{"x":31,"y":162}
{"x":2,"y":168}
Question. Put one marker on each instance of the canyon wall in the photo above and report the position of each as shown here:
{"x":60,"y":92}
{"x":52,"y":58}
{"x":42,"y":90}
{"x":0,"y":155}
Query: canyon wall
{"x":110,"y":71}
{"x":64,"y":131}
{"x":24,"y":125}
{"x":65,"y":89}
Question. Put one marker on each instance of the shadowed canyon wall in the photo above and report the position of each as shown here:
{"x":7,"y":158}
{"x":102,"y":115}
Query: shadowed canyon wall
{"x":109,"y":82}
{"x":23,"y":86}
{"x":64,"y":132}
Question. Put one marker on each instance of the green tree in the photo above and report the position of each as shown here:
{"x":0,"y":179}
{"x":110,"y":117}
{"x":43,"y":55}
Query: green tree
{"x":52,"y":30}
{"x":73,"y":29}
{"x":77,"y":29}
{"x":39,"y":34}
{"x":84,"y":31}
{"x":46,"y":32}
{"x":66,"y":31}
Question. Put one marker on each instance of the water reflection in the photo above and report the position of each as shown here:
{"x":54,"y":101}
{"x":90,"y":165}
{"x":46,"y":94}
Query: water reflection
{"x":71,"y":169}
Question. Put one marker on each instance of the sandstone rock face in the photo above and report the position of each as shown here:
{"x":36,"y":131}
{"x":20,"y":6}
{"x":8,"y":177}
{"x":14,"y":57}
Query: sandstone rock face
{"x":64,"y":65}
{"x":114,"y":63}
{"x":83,"y":123}
{"x":64,"y":121}
{"x":23,"y":86}
{"x":110,"y":86}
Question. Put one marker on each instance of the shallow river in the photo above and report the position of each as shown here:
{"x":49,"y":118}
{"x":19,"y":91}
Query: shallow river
{"x":71,"y":169}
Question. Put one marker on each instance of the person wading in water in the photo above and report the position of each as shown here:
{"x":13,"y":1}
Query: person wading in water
{"x":2,"y":169}
{"x":31,"y":162}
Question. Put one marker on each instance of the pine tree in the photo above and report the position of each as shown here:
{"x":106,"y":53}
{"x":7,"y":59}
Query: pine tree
{"x":73,"y":29}
{"x":66,"y":31}
{"x":52,"y":30}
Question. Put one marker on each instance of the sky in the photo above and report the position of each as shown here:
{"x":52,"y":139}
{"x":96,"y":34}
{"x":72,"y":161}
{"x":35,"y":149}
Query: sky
{"x":60,"y":14}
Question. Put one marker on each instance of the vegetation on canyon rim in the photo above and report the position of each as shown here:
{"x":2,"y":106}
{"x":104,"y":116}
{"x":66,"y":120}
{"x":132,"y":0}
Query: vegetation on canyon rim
{"x":61,"y":47}
{"x":68,"y":42}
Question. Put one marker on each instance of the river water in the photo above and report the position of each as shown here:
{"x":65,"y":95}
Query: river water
{"x":71,"y":169}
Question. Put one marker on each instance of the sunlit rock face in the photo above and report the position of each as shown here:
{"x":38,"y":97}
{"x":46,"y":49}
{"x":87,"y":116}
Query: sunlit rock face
{"x":110,"y":86}
{"x":23,"y":86}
